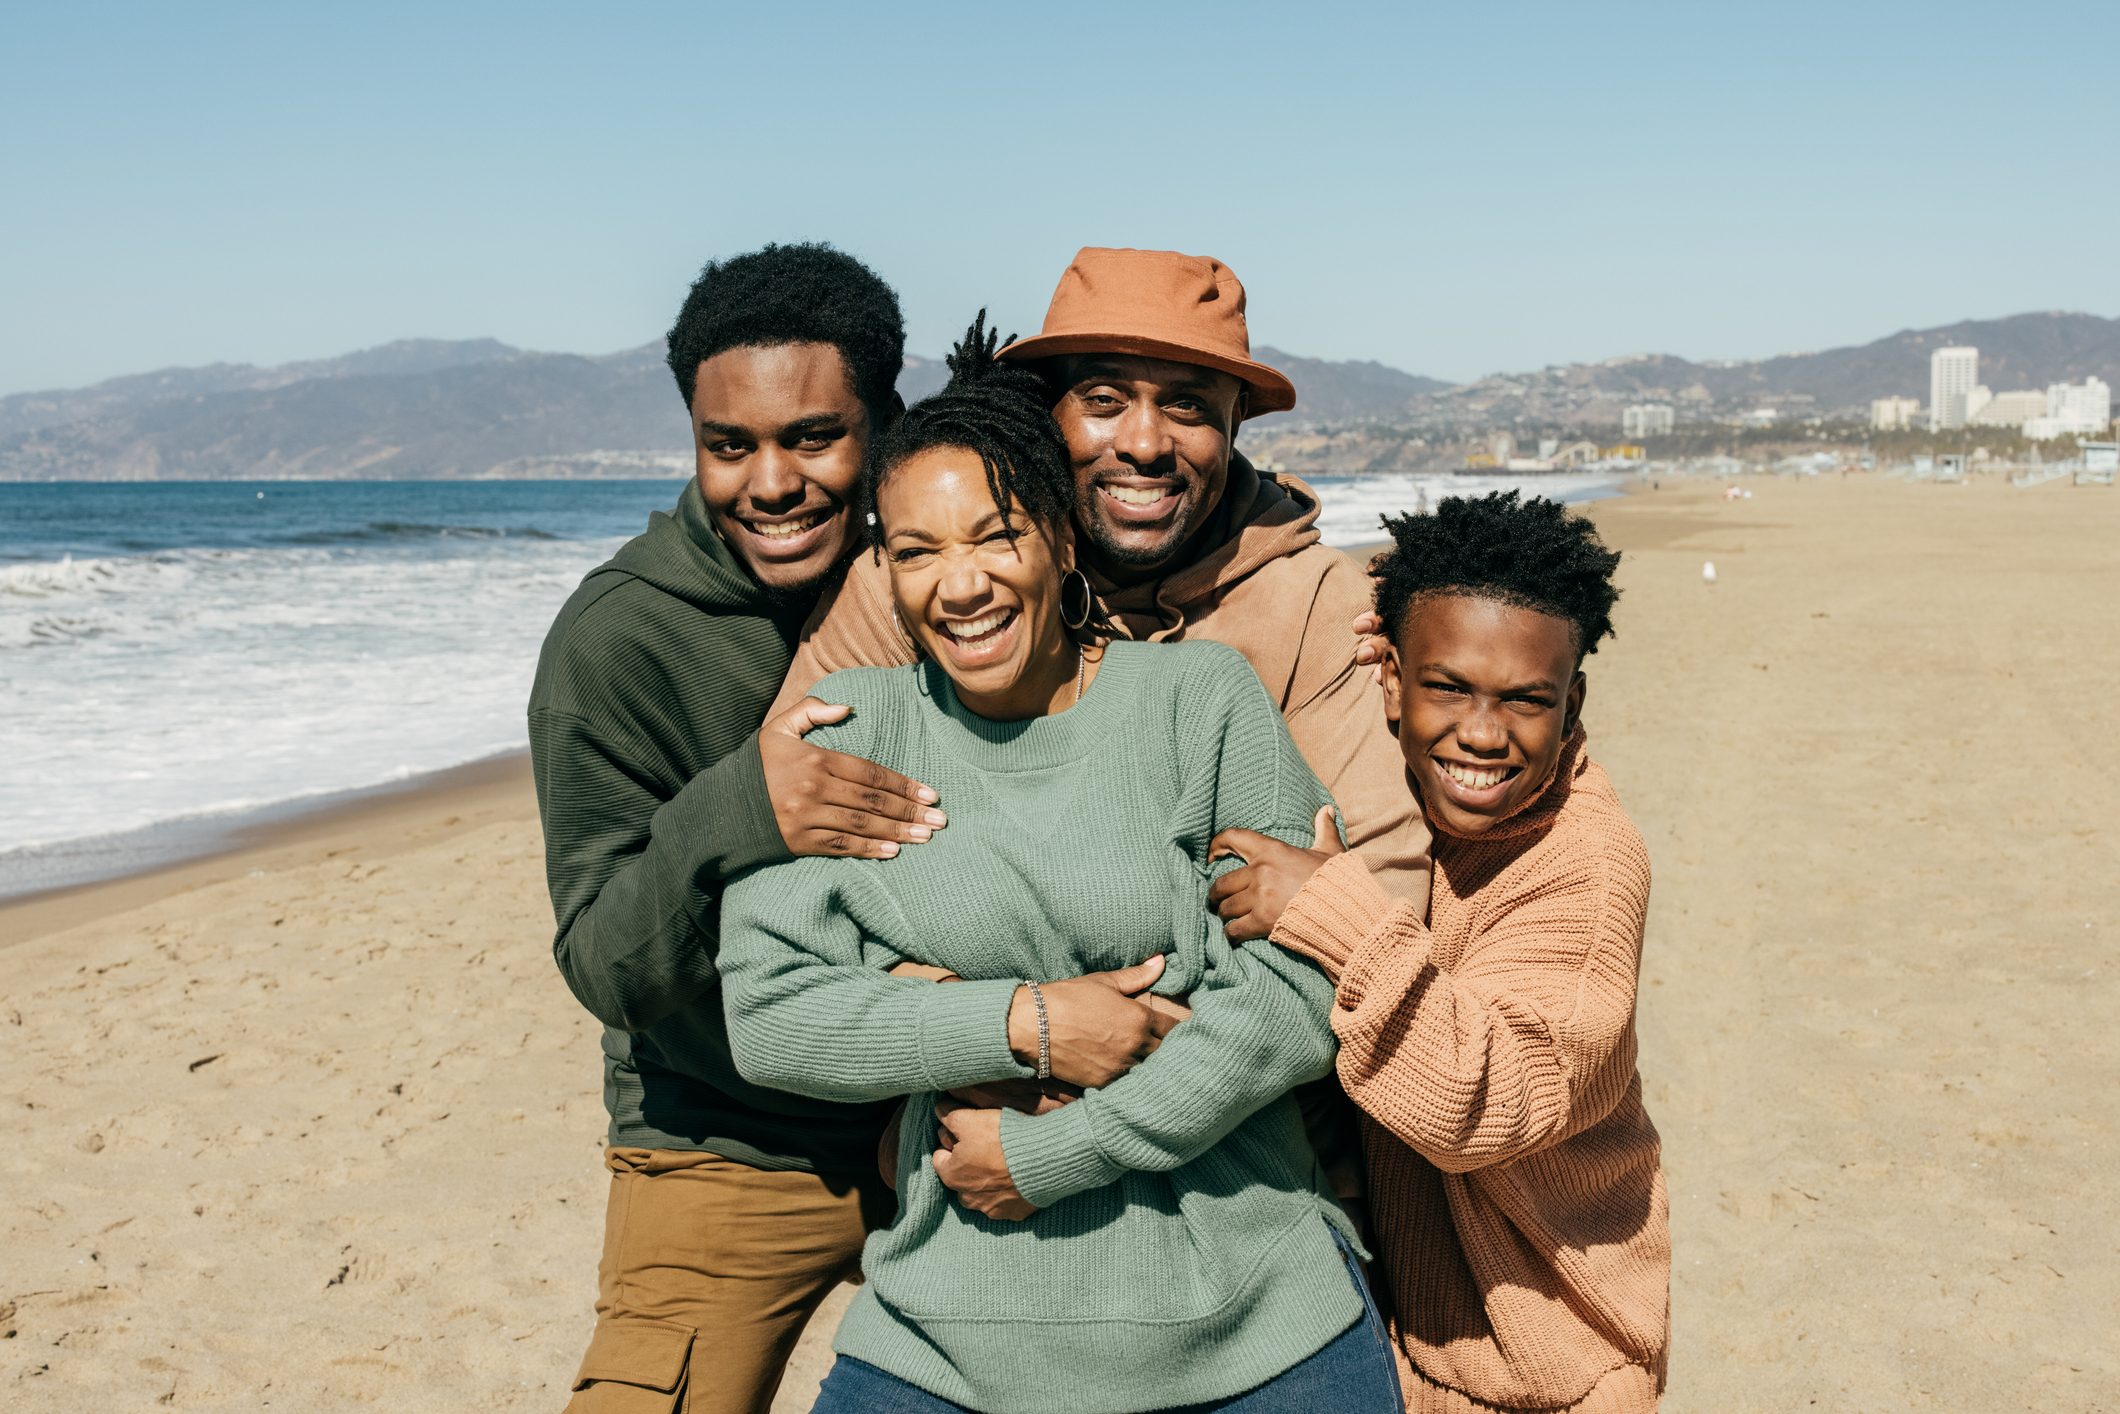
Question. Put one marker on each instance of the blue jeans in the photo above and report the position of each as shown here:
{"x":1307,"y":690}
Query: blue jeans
{"x":1355,"y":1373}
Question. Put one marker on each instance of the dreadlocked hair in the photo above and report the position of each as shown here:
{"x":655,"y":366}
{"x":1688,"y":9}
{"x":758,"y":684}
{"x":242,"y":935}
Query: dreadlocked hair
{"x":995,"y":410}
{"x":1529,"y":554}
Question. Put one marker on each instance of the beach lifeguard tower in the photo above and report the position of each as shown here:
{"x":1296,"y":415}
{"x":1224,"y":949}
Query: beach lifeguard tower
{"x":2100,"y":461}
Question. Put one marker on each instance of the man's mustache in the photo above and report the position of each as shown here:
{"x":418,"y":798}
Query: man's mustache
{"x":1160,"y":470}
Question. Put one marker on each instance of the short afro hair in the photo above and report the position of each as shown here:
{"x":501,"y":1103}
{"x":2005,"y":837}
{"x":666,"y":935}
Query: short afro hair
{"x":1530,"y":554}
{"x":795,"y":294}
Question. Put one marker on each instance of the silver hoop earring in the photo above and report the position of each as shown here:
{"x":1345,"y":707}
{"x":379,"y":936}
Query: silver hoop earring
{"x":1075,"y":582}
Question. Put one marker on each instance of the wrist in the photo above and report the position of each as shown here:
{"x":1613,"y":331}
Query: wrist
{"x":1030,"y":1033}
{"x":1023,"y":1027}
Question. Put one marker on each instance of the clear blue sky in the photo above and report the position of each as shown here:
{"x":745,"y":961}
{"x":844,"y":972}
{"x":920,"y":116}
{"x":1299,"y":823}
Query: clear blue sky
{"x":1453,"y":189}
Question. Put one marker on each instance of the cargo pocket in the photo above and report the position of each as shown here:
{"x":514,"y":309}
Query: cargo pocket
{"x":634,"y":1366}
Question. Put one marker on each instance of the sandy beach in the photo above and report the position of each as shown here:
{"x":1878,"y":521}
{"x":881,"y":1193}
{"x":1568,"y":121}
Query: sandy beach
{"x":315,"y":1123}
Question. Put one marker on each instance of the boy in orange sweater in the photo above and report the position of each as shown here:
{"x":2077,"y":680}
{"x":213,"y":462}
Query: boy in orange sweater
{"x":1513,"y":1177}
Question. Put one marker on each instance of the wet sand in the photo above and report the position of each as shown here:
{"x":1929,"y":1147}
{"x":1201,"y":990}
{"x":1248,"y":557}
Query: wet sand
{"x":315,"y":1124}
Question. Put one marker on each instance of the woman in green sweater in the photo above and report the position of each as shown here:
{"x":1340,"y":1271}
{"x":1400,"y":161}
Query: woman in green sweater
{"x":1167,"y":1240}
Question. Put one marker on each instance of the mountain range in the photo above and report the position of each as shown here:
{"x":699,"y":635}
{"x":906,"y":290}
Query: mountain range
{"x":2021,"y":351}
{"x":426,"y":408}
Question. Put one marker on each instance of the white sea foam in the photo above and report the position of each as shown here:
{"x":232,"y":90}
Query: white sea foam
{"x":1354,"y":504}
{"x":139,"y":690}
{"x":186,"y":683}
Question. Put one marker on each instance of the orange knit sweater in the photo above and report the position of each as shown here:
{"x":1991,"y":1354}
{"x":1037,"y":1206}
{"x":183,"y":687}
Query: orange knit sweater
{"x":1514,"y":1183}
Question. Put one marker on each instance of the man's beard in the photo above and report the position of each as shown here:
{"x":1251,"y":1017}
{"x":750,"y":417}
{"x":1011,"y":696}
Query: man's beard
{"x":801,"y":596}
{"x":1110,"y":549}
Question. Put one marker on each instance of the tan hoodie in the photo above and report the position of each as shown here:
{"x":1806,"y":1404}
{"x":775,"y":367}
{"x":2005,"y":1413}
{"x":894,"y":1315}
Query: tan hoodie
{"x":1266,"y":586}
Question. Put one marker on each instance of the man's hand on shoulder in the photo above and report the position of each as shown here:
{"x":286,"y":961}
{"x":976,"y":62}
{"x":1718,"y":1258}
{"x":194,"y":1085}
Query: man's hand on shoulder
{"x":827,"y":802}
{"x":1371,"y":645}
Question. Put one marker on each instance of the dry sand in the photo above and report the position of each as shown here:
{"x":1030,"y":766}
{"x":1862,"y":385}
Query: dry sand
{"x":316,"y":1125}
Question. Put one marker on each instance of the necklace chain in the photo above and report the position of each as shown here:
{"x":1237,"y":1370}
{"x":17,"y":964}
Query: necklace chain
{"x":1081,"y":664}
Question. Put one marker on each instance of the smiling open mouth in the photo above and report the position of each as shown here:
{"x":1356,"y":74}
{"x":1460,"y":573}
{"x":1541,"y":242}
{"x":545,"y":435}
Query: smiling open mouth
{"x":786,"y":529}
{"x":1477,"y":778}
{"x":1141,"y":504}
{"x":977,"y":633}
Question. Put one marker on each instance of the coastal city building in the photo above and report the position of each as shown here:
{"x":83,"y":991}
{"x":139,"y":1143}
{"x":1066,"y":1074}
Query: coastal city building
{"x":1893,"y":414}
{"x":2012,"y":409}
{"x":2073,"y":410}
{"x":1647,"y":420}
{"x":1953,"y":374}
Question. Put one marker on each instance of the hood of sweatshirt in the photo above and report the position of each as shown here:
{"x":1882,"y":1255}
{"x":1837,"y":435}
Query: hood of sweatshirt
{"x":681,"y":554}
{"x":1260,"y":519}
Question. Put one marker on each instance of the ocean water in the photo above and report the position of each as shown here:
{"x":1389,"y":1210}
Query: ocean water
{"x":178,"y":654}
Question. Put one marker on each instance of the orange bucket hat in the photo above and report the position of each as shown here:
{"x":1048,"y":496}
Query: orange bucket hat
{"x":1157,"y":304}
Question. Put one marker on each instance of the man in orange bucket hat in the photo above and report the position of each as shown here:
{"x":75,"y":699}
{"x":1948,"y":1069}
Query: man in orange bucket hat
{"x":1148,"y":359}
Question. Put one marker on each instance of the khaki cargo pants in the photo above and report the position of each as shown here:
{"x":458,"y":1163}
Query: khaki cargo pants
{"x":710,"y":1270}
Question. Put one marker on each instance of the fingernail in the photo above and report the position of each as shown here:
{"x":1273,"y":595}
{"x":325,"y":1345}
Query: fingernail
{"x":889,"y":850}
{"x":926,"y":796}
{"x":936,"y":818}
{"x":919,"y":832}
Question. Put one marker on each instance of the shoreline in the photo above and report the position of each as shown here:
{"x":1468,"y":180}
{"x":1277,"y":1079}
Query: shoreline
{"x":134,"y":868}
{"x":202,"y":850}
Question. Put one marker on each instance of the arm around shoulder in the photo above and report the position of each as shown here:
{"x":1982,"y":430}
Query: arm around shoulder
{"x":1525,"y":1043}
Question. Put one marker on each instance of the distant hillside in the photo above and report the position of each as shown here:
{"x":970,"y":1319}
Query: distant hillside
{"x":24,"y":412}
{"x":1350,"y":391}
{"x":463,"y":416}
{"x":431,"y":409}
{"x":2022,"y":351}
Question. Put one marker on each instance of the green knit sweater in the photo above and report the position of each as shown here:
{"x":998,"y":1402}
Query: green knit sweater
{"x":1181,"y":1251}
{"x":644,"y":742}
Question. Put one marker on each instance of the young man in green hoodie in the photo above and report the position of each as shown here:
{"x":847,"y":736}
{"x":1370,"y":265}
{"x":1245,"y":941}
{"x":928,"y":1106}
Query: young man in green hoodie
{"x":733,"y":1209}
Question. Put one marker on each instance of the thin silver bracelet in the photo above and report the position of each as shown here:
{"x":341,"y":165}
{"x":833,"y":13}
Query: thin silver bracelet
{"x":1045,"y":1031}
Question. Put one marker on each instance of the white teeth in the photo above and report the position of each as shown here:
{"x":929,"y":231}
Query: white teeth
{"x":979,"y":627}
{"x":1136,"y":495}
{"x":1474,"y":777}
{"x":788,"y":529}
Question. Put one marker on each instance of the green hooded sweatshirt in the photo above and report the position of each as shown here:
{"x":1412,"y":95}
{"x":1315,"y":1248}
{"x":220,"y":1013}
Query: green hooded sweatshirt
{"x":644,"y":725}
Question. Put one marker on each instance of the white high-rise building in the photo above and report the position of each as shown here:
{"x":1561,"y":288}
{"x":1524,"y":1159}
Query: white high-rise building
{"x":1953,"y":374}
{"x":1893,"y":414}
{"x":1647,"y":420}
{"x":2074,"y":410}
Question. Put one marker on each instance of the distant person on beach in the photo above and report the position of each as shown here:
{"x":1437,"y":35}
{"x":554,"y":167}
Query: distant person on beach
{"x":1514,"y":1180}
{"x":1167,"y":1238}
